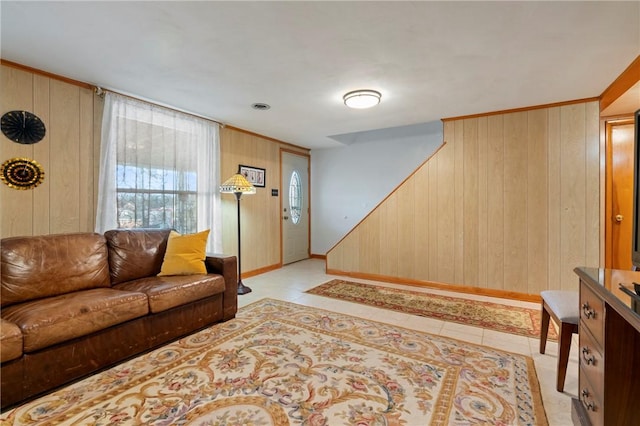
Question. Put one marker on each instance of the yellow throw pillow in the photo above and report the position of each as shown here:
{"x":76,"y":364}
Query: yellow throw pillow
{"x":185,"y":254}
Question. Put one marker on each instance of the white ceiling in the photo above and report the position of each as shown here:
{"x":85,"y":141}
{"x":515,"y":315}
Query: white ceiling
{"x":429,"y":60}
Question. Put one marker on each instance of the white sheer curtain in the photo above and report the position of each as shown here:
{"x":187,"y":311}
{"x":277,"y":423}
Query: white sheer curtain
{"x":158,"y":168}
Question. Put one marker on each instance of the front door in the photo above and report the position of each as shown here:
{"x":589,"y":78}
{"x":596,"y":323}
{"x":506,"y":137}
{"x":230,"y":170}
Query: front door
{"x":295,"y":207}
{"x":619,"y":224}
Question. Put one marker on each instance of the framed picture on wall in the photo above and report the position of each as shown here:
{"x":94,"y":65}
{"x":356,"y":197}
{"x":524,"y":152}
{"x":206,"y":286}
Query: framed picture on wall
{"x":255,"y":175}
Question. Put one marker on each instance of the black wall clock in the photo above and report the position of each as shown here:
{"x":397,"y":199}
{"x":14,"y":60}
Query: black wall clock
{"x":22,"y":127}
{"x":21,"y":173}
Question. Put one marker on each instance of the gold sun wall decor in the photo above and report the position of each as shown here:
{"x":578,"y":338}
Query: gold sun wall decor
{"x":21,"y":173}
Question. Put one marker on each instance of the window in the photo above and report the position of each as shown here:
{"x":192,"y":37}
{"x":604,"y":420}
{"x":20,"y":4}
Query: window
{"x":150,"y":197}
{"x":295,"y":197}
{"x":159,"y":169}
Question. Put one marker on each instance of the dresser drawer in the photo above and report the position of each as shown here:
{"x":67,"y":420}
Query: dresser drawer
{"x":591,"y":361}
{"x":590,"y":401}
{"x":592,"y":313}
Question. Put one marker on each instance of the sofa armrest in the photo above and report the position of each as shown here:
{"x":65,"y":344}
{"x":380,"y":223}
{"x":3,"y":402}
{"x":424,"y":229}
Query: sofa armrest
{"x":227,"y":266}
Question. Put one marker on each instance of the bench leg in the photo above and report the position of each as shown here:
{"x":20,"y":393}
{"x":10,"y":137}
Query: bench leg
{"x":564,"y":342}
{"x":544,"y":329}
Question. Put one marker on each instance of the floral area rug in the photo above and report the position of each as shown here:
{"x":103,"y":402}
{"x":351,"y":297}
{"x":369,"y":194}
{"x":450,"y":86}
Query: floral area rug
{"x":280,"y":363}
{"x":494,"y":316}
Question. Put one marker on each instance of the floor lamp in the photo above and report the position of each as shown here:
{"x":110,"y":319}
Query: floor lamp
{"x":238,"y":185}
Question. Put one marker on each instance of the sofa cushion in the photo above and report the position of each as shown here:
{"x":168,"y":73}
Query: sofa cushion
{"x":168,"y":292}
{"x":56,"y":319}
{"x":185,"y":254}
{"x":135,"y":253}
{"x":10,"y":341}
{"x":35,"y":267}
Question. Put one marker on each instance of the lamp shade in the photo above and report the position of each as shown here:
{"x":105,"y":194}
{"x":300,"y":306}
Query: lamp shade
{"x":360,"y":99}
{"x":237,"y":183}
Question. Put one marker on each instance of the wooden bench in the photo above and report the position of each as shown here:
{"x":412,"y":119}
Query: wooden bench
{"x":564,"y":307}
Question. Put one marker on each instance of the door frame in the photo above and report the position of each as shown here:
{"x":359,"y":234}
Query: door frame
{"x":609,"y":123}
{"x":308,"y":156}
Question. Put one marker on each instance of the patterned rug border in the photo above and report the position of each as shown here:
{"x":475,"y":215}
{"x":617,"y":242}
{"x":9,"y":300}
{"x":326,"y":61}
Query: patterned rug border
{"x":266,"y":310}
{"x":407,"y":329}
{"x":321,"y":290}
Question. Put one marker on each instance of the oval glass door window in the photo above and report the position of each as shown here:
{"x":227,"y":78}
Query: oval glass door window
{"x":295,"y":197}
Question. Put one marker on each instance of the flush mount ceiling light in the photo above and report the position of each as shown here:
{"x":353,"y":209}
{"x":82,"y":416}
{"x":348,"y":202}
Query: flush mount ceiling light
{"x":362,"y":99}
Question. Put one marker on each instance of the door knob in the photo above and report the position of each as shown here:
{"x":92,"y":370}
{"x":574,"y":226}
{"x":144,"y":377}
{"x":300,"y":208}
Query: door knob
{"x":619,"y":218}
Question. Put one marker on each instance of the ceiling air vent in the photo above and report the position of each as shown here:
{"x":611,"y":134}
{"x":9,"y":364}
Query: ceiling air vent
{"x":260,"y":106}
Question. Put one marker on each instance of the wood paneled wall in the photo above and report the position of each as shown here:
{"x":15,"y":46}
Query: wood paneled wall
{"x":65,"y":201}
{"x":260,"y":212}
{"x":70,"y":156}
{"x":510,"y":203}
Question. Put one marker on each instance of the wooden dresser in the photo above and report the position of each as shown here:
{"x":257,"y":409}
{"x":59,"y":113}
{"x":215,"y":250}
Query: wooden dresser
{"x":609,"y":330}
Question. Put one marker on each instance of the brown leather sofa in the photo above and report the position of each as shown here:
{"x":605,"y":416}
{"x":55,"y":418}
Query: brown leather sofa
{"x":73,"y":304}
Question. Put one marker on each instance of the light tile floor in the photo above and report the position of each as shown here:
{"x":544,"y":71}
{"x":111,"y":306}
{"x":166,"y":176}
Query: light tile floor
{"x":290,"y":283}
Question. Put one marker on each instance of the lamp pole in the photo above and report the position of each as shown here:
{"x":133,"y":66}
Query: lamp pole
{"x":242,"y":289}
{"x":238,"y":185}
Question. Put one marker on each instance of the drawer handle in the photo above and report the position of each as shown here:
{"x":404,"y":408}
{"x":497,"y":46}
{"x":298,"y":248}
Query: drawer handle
{"x":589,"y":405}
{"x":588,"y":359}
{"x":588,"y":311}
